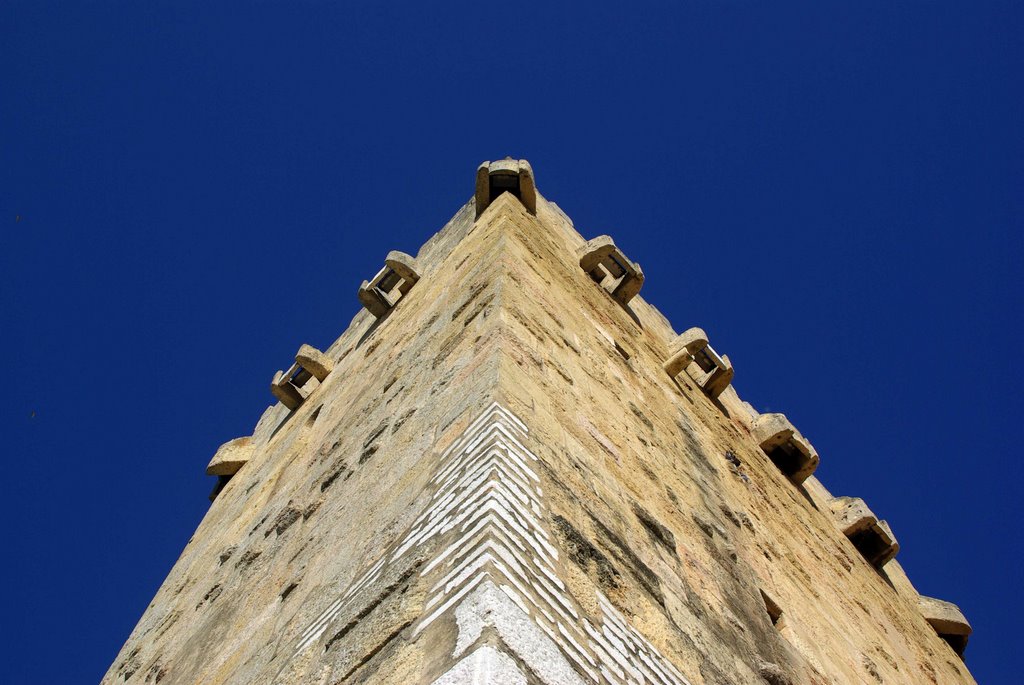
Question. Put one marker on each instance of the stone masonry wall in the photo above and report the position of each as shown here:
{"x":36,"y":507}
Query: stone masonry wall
{"x":498,"y":481}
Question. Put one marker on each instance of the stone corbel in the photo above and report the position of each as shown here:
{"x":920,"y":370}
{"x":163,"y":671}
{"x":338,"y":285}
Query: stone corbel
{"x":785,"y":446}
{"x":393,"y":282}
{"x":872,"y":538}
{"x":514,"y":176}
{"x":290,"y":386}
{"x":611,"y":269}
{"x":691,"y":347}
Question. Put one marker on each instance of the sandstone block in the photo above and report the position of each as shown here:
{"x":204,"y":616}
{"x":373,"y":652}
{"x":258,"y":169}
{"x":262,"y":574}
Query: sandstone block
{"x":513,"y":176}
{"x":873,"y":538}
{"x":611,"y":269}
{"x":230,"y":457}
{"x":380,"y":294}
{"x":947,"y":620}
{"x":290,"y":386}
{"x":711,"y":371}
{"x":785,"y":446}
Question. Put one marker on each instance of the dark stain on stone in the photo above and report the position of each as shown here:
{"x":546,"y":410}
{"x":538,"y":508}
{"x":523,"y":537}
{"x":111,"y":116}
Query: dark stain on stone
{"x":474,"y":291}
{"x":480,"y":307}
{"x":288,"y":590}
{"x":376,"y":650}
{"x":647,"y":578}
{"x":226,"y":554}
{"x":640,"y":415}
{"x":584,"y":553}
{"x":311,"y":509}
{"x":447,"y":347}
{"x":402,"y":419}
{"x":383,"y":426}
{"x":260,"y":524}
{"x":773,"y":674}
{"x":131,"y":664}
{"x":368,"y":609}
{"x":284,"y":520}
{"x":730,"y":515}
{"x":694,"y":449}
{"x":156,"y":673}
{"x":368,"y":453}
{"x":329,"y":480}
{"x":705,"y":527}
{"x":655,"y":529}
{"x":248,"y":558}
{"x":211,"y":595}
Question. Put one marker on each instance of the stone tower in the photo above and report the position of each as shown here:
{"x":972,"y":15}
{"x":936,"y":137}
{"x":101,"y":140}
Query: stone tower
{"x":510,"y":468}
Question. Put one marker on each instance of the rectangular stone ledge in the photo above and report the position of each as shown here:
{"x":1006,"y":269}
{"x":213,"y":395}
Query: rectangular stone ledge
{"x":291,"y":387}
{"x":871,"y":537}
{"x":611,"y":269}
{"x":512,"y":176}
{"x":230,"y":457}
{"x":381,"y":294}
{"x":785,"y":446}
{"x":691,"y":352}
{"x":948,"y":621}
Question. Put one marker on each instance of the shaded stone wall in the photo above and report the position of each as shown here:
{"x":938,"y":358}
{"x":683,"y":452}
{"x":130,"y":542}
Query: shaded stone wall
{"x":499,"y":481}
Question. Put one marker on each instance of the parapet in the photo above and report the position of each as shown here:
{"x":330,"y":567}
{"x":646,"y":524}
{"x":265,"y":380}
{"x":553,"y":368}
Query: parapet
{"x":392,"y":283}
{"x":514,"y":176}
{"x":947,"y":620}
{"x":785,"y":446}
{"x":611,"y":269}
{"x":692,"y":347}
{"x":230,"y":457}
{"x":872,"y":538}
{"x":289,"y":386}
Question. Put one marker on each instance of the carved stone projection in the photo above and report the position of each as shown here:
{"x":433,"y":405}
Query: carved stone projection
{"x":872,"y":538}
{"x":290,"y":387}
{"x":711,"y":371}
{"x":393,"y":282}
{"x":507,"y":487}
{"x":512,"y":176}
{"x":611,"y":269}
{"x":948,"y":621}
{"x":784,"y":445}
{"x":230,"y":457}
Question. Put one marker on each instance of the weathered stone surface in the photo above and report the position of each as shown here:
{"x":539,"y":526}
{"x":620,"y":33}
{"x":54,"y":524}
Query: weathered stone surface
{"x":508,"y":487}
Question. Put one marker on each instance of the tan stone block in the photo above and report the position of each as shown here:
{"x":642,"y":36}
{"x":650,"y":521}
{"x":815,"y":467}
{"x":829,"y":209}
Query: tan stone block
{"x":230,"y":457}
{"x":785,"y":446}
{"x":514,"y":176}
{"x":873,"y":538}
{"x":683,"y":348}
{"x":286,"y":392}
{"x":399,"y":274}
{"x":947,"y":620}
{"x":610,"y":268}
{"x":314,"y":361}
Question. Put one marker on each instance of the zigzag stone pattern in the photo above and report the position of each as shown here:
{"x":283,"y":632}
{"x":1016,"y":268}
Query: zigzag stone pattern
{"x":501,"y":571}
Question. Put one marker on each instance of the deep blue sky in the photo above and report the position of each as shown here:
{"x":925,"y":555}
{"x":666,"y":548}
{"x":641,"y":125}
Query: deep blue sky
{"x":831,"y":190}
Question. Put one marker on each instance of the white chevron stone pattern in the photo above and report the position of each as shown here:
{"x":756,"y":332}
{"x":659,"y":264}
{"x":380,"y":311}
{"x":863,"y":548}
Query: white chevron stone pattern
{"x":488,"y":507}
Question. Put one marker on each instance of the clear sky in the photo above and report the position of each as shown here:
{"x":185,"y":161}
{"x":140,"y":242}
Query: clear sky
{"x":188,"y":191}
